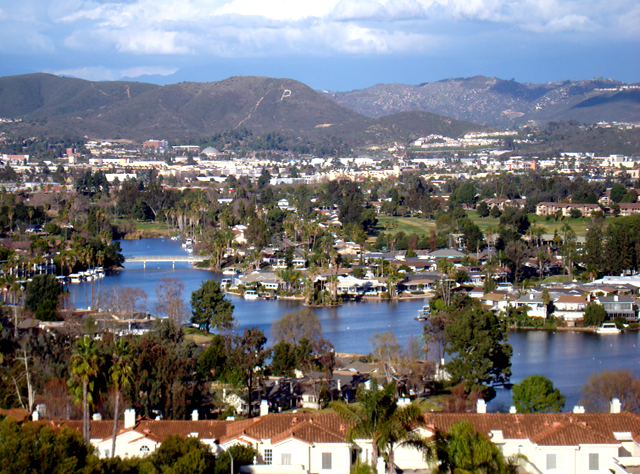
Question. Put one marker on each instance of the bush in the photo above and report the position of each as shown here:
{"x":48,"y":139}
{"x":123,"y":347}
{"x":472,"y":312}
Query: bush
{"x":620,"y":322}
{"x":634,"y":325}
{"x":417,"y":292}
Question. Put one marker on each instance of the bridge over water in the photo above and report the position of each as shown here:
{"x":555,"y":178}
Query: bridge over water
{"x":164,"y":258}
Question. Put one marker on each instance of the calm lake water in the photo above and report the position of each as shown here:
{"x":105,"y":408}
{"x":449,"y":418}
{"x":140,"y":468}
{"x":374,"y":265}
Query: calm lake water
{"x":567,"y":358}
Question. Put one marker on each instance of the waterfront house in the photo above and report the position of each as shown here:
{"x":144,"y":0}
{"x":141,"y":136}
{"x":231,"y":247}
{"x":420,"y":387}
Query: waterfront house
{"x":618,"y":306}
{"x":498,"y":301}
{"x":534,"y":303}
{"x":569,"y":307}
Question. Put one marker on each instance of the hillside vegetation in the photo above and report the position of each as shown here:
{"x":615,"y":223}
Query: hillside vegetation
{"x":496,"y":102}
{"x":52,"y":105}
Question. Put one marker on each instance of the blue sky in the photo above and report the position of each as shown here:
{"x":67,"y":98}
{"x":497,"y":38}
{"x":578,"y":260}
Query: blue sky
{"x":332,"y":44}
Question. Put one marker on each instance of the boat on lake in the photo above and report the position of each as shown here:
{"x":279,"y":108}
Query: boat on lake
{"x":608,"y":328}
{"x":424,"y":313}
{"x":250,"y":295}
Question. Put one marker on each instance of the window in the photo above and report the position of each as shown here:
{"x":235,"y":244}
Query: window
{"x":268,"y":456}
{"x":326,"y":460}
{"x":594,"y":462}
{"x":551,"y":461}
{"x":144,"y":449}
{"x":286,"y":459}
{"x":106,"y":453}
{"x":556,"y":462}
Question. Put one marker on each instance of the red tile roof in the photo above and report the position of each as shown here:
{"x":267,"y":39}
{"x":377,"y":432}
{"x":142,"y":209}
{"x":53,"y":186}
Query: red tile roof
{"x":549,"y":429}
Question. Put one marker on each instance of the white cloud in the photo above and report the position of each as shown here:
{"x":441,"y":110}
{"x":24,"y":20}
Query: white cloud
{"x":147,"y":71}
{"x":247,"y":28}
{"x":578,"y":23}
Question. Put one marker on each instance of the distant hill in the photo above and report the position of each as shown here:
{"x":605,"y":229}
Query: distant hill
{"x":496,"y":102}
{"x":49,"y":104}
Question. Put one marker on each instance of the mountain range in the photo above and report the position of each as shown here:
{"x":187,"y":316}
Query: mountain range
{"x":64,"y":106}
{"x":124,"y":109}
{"x":501,"y":103}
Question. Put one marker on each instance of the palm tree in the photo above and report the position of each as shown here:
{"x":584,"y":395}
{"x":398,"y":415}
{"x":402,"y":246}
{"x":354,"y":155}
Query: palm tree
{"x":542,"y":259}
{"x":379,"y":418}
{"x":121,"y":374}
{"x":445,"y":267}
{"x":85,"y":366}
{"x":566,"y":228}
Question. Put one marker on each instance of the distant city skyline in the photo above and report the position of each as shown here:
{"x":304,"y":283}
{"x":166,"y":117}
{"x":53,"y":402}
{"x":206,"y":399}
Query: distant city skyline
{"x":335,"y":45}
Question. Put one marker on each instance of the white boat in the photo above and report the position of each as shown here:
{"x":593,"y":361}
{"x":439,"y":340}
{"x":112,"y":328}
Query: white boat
{"x":230,"y":271}
{"x":608,"y":328}
{"x":251,"y":295}
{"x":423,"y":313}
{"x":76,"y":277}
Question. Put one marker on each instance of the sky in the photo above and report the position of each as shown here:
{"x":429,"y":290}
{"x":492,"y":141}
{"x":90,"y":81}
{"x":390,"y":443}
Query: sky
{"x":335,"y":45}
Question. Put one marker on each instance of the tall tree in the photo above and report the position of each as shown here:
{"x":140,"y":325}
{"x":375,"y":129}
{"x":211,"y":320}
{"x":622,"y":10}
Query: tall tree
{"x":602,"y":387}
{"x":294,"y":326}
{"x":249,"y":355}
{"x":170,"y":303}
{"x":209,"y":307}
{"x":121,"y":374}
{"x":480,"y":353}
{"x":85,"y":365}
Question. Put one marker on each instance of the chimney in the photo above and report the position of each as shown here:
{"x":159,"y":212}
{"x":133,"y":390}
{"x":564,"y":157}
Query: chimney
{"x":129,"y":418}
{"x":615,"y":298}
{"x":194,"y":415}
{"x":97,"y":417}
{"x":35,"y":416}
{"x":616,"y":406}
{"x":264,"y":407}
{"x":513,"y":409}
{"x":481,"y":406}
{"x":578,"y":409}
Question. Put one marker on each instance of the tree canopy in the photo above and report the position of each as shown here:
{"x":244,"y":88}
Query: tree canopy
{"x":536,"y":394}
{"x":480,"y":353}
{"x":210,"y":308}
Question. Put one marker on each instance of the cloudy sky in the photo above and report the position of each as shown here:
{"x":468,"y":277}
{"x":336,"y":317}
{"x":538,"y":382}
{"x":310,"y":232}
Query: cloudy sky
{"x":328,"y":44}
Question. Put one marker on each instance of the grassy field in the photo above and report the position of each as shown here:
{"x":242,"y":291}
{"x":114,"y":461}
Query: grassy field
{"x":148,"y":229}
{"x":197,"y":336}
{"x":420,"y":226}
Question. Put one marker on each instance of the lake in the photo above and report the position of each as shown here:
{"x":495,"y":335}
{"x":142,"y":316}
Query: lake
{"x":566,"y":357}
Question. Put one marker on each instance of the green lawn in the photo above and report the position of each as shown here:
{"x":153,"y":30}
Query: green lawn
{"x":155,"y":229}
{"x":420,"y":226}
{"x":408,"y":225}
{"x":197,"y":336}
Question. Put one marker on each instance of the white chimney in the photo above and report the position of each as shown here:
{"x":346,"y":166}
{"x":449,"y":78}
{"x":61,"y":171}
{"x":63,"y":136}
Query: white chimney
{"x":194,"y":415}
{"x":615,"y":298}
{"x":578,"y":409}
{"x":35,"y":416}
{"x":129,"y":418}
{"x":513,"y":409}
{"x":481,"y":406}
{"x":264,"y":407}
{"x":616,"y":406}
{"x":97,"y":417}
